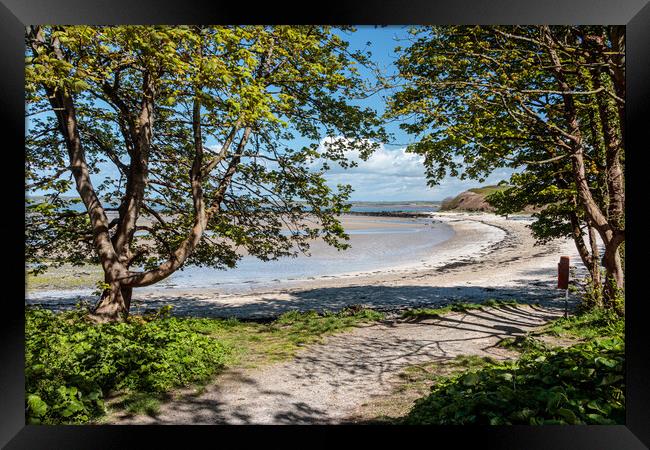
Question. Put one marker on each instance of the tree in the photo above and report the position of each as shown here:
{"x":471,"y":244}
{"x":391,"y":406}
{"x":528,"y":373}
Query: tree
{"x":548,"y":101}
{"x":201,"y":125}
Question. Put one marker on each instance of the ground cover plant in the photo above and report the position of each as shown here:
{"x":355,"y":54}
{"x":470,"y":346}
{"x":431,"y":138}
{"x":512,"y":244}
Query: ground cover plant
{"x":72,"y":364}
{"x":580,"y":384}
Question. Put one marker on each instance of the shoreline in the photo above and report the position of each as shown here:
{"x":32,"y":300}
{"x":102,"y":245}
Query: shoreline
{"x":488,"y":257}
{"x":470,"y":238}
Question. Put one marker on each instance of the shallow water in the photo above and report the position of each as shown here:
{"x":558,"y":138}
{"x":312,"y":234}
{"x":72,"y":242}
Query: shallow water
{"x":376,"y":244}
{"x":371,"y":250}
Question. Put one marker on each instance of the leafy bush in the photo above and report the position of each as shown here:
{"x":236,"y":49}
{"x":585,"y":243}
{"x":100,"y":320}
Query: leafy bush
{"x":582,"y":384}
{"x":524,"y":344}
{"x":71,"y":364}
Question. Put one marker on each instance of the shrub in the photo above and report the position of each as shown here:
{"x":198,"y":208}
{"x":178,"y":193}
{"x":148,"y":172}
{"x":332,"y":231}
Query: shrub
{"x":582,"y":384}
{"x":71,"y":364}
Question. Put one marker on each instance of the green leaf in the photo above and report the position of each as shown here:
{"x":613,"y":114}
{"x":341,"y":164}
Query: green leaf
{"x":36,"y":405}
{"x":471,"y":379}
{"x":606,"y":362}
{"x":610,"y":379}
{"x":568,"y":415}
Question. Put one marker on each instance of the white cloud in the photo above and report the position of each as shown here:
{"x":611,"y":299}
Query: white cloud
{"x":395,"y":175}
{"x":386,"y":162}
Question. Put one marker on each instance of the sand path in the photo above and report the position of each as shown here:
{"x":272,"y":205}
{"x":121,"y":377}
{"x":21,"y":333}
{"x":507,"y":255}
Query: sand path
{"x":329,"y":382}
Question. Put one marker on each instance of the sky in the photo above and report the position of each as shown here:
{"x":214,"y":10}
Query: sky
{"x":391,"y":173}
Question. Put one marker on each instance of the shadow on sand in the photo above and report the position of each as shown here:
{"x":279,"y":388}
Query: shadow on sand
{"x":326,"y":382}
{"x":382,"y":298}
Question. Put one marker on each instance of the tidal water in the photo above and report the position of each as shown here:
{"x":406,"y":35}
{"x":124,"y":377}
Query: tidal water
{"x":400,"y":242}
{"x":377,"y":244}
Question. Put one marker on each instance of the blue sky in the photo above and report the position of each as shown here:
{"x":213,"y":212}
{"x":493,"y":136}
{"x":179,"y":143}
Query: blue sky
{"x":391,"y":174}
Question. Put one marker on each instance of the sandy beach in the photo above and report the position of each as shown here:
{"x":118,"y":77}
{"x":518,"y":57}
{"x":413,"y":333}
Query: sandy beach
{"x":488,"y":257}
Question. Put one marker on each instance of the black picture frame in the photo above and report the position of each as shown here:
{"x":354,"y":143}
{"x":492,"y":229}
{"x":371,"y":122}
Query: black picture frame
{"x":16,"y":14}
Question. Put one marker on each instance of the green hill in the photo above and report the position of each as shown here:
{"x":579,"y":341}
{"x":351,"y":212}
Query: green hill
{"x":471,"y":200}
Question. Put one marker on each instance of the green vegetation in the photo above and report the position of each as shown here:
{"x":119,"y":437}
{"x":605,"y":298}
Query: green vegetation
{"x":65,"y":277}
{"x":547,"y":101}
{"x":415,"y":382}
{"x":141,"y":403}
{"x":426,"y":313}
{"x":588,"y":325}
{"x":487,"y":190}
{"x":257,"y":344}
{"x":578,"y":385}
{"x":581,"y":384}
{"x":523,"y":344}
{"x":72,"y":365}
{"x":421,"y":375}
{"x":463,"y":201}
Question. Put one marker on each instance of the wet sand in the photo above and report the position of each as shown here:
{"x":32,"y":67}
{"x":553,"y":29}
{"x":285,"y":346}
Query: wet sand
{"x":488,"y":257}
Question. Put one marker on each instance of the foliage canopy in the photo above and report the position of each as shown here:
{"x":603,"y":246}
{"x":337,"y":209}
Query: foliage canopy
{"x":217,"y":134}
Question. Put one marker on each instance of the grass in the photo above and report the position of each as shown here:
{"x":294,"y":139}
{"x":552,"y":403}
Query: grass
{"x":72,"y":365}
{"x":66,"y":277}
{"x":523,"y":344}
{"x":588,"y":325}
{"x":256,"y":344}
{"x":594,"y":324}
{"x":487,"y":190}
{"x":141,"y":403}
{"x":454,"y":202}
{"x":429,"y":313}
{"x":429,"y":372}
{"x":415,"y":382}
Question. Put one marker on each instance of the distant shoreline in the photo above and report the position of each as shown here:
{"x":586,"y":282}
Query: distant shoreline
{"x":406,"y":214}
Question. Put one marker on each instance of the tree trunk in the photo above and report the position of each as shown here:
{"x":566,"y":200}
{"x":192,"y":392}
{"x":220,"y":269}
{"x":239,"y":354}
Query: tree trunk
{"x":590,"y":258}
{"x":611,"y":236}
{"x":583,"y":251}
{"x":595,"y":257}
{"x":594,"y":268}
{"x":614,"y":277}
{"x":114,"y":304}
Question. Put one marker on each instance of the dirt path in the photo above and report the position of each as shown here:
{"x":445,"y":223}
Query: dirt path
{"x":329,"y":382}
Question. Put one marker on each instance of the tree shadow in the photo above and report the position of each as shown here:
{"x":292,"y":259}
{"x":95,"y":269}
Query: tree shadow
{"x":379,"y":297}
{"x":325,"y":383}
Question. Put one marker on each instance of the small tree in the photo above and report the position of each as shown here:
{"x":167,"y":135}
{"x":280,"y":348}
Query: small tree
{"x":201,"y":125}
{"x":545,"y":100}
